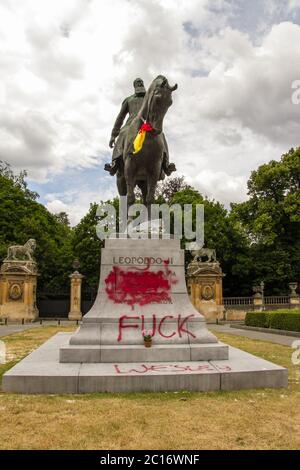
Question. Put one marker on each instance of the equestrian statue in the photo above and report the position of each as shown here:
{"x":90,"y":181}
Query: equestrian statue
{"x":140,"y":151}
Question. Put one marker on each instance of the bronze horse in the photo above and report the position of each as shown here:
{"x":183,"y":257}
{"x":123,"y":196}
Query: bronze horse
{"x":144,"y":168}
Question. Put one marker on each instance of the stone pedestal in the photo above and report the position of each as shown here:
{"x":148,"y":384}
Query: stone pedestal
{"x":18,"y":280}
{"x":75,"y":296}
{"x":142,"y":288}
{"x":204,"y":280}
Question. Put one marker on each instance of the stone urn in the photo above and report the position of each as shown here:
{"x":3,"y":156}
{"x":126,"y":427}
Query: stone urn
{"x":293,"y":286}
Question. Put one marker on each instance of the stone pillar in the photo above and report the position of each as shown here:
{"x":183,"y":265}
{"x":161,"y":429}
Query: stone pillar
{"x":205,"y":288}
{"x":18,"y":280}
{"x":257,"y":302}
{"x":258,"y":299}
{"x":294,"y":297}
{"x":75,"y":299}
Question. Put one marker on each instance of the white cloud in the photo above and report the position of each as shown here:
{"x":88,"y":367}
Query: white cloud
{"x":56,"y":206}
{"x":76,"y":202}
{"x":217,"y":185}
{"x":66,"y":65}
{"x":293,"y":4}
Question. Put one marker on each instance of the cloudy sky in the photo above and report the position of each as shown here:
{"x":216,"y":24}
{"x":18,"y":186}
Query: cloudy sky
{"x":66,"y":66}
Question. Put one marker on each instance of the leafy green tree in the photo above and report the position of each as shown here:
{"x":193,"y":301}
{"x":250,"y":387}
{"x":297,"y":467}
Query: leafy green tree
{"x":87,"y":246}
{"x":63,"y":218}
{"x":225,"y":234}
{"x":19,"y":180}
{"x":271,"y":218}
{"x":167,"y":188}
{"x":22,"y":217}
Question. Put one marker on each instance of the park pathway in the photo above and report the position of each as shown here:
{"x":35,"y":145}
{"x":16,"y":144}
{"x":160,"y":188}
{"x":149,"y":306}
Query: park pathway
{"x":271,"y":337}
{"x":12,"y":328}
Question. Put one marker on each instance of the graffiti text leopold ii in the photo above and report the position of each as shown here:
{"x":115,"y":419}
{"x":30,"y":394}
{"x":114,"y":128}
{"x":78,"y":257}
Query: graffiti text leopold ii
{"x":141,"y":260}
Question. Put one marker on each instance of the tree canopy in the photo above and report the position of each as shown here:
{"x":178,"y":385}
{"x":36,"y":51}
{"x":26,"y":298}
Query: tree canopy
{"x":22,"y":217}
{"x":255,"y":240}
{"x":271,"y":219}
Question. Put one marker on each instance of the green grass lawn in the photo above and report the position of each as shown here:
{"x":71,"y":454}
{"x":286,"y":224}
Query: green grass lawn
{"x":250,"y":419}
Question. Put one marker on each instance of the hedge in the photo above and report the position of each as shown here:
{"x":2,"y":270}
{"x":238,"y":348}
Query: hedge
{"x":280,"y":320}
{"x":256,"y":319}
{"x":285,"y":321}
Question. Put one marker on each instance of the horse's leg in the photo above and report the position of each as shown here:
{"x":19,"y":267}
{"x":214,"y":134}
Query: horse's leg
{"x":151,"y":186}
{"x":120,"y":178}
{"x":130,"y":172}
{"x":121,"y":185}
{"x":130,"y":185}
{"x":130,"y":182}
{"x":143,"y":187}
{"x":154,"y":170}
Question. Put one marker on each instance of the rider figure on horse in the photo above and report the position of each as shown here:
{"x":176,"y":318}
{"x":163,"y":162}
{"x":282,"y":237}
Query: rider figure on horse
{"x":131,"y":106}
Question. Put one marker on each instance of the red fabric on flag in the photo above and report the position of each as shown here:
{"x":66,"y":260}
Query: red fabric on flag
{"x":146,"y":127}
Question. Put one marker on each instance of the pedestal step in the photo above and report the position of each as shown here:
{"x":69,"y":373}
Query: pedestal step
{"x":137,"y":353}
{"x":41,"y":372}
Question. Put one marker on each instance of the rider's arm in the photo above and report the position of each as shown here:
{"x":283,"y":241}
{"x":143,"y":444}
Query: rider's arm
{"x":120,"y":119}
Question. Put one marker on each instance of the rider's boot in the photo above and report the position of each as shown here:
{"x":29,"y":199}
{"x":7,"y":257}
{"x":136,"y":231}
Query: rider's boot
{"x":112,"y":168}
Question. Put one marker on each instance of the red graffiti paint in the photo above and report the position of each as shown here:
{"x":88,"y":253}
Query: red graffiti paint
{"x":123,"y":324}
{"x":181,"y":323}
{"x":160,"y":327}
{"x":157,"y":327}
{"x":140,"y":286}
{"x":126,"y":321}
{"x":223,"y":368}
{"x":146,"y":368}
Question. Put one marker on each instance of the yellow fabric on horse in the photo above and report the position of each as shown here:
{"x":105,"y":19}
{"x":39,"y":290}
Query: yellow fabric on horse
{"x":140,"y":138}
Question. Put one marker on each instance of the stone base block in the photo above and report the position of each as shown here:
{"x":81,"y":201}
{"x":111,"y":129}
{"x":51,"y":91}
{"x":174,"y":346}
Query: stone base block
{"x":75,"y":316}
{"x":41,"y":372}
{"x":138,"y":353}
{"x":17,"y":311}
